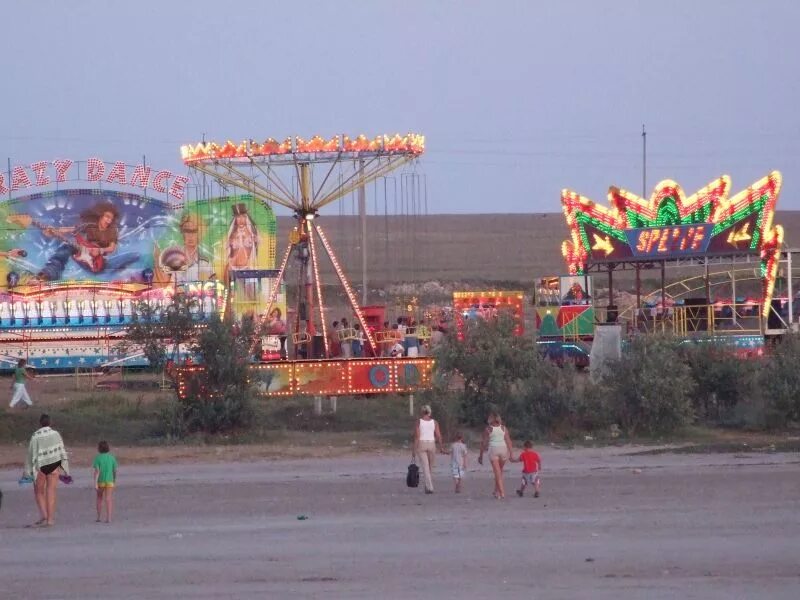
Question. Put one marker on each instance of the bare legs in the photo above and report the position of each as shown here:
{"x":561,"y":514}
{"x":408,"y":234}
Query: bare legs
{"x":99,"y":502}
{"x":40,"y":494}
{"x":499,"y":485}
{"x":52,"y":486}
{"x":45,"y":490}
{"x":105,"y":495}
{"x":537,"y":485}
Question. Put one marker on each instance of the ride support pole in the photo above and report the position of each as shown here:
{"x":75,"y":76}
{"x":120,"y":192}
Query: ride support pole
{"x":789,"y":289}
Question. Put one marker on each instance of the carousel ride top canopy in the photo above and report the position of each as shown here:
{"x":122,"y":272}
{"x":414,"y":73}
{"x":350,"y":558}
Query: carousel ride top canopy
{"x":671,"y":226}
{"x":227,"y":162}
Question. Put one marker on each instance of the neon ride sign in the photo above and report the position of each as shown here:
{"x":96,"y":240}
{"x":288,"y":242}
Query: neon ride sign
{"x":676,"y":240}
{"x":45,"y":173}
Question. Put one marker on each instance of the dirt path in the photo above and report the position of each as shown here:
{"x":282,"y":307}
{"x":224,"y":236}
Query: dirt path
{"x":609,"y":525}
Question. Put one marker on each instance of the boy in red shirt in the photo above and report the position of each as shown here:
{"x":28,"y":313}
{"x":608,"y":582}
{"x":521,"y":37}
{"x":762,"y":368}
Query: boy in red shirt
{"x":531,"y":463}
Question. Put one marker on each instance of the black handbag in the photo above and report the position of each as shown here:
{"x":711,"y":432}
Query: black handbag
{"x":412,"y":478}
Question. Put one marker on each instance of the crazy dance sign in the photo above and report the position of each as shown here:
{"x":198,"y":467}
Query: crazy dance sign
{"x":46,"y":173}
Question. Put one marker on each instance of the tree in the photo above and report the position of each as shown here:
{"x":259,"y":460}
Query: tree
{"x":724,"y":380}
{"x":489,"y":362}
{"x":157,"y":330}
{"x":650,"y":388}
{"x":219,"y":397}
{"x":780,"y":382}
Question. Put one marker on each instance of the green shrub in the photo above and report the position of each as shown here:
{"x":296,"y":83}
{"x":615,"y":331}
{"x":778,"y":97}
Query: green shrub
{"x":157,"y":330}
{"x":219,"y":398}
{"x":650,"y":388}
{"x":722,"y":379}
{"x":546,"y":401}
{"x":780,"y":382}
{"x":487,"y":364}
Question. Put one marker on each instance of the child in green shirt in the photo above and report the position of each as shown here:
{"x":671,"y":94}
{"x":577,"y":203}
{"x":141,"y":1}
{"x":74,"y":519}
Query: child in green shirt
{"x":105,"y":476}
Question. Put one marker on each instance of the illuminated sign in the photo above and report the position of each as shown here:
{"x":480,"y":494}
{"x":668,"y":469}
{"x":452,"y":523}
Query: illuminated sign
{"x":44,"y":173}
{"x":669,"y":241}
{"x":670,"y":225}
{"x":329,"y":377}
{"x":487,"y":305}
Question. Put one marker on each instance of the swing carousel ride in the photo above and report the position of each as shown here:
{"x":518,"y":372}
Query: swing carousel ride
{"x":304,"y":176}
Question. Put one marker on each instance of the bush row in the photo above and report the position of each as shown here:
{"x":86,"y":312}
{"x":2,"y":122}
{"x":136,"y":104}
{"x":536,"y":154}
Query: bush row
{"x":659,"y":386}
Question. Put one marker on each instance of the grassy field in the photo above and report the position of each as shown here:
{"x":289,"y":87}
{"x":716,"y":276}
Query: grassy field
{"x":129,"y":416}
{"x":129,"y":413}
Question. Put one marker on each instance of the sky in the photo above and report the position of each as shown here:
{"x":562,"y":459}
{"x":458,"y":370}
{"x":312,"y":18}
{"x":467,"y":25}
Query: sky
{"x":517,"y":99}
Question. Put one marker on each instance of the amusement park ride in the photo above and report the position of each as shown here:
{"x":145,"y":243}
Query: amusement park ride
{"x":305,"y":176}
{"x":84,"y":243}
{"x":672,"y":231}
{"x":79,"y":259}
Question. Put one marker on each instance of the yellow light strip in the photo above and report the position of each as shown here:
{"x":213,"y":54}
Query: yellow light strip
{"x":319,"y":287}
{"x":412,"y":143}
{"x":343,"y":279}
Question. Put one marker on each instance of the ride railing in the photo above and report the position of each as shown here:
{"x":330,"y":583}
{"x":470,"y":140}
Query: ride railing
{"x":90,"y":313}
{"x":686,"y":320}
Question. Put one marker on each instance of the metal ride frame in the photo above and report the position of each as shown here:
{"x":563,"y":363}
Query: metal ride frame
{"x":256,"y":167}
{"x":681,"y":319}
{"x":741,"y":318}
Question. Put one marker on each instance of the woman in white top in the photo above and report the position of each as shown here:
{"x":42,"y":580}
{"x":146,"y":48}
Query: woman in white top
{"x":426,"y":436}
{"x":498,"y":443}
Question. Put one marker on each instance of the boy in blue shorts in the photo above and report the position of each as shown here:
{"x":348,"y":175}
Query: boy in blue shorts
{"x":458,"y":460}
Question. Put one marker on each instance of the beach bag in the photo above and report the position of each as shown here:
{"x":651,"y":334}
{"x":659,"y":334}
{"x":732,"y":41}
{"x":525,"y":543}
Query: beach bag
{"x":412,"y":478}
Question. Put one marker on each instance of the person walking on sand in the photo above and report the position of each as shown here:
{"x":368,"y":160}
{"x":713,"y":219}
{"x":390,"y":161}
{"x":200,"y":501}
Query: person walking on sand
{"x":426,"y":437}
{"x":20,"y":392}
{"x":531,"y":465}
{"x":498,"y":444}
{"x":46,"y":455}
{"x":105,"y":477}
{"x":458,"y":460}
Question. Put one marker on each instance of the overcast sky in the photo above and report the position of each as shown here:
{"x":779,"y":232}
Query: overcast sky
{"x":517,"y":99}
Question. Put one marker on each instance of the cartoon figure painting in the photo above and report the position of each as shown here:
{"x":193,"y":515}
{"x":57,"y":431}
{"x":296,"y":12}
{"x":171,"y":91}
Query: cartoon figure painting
{"x":573,"y":292}
{"x":92,"y":244}
{"x":242,"y":239}
{"x":105,"y":236}
{"x":187,"y":262}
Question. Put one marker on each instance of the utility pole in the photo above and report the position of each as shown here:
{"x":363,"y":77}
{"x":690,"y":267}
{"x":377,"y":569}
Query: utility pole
{"x":644,"y":162}
{"x":362,"y":212}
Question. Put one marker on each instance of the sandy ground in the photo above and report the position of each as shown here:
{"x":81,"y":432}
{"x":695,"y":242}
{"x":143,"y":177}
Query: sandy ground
{"x":609,"y":525}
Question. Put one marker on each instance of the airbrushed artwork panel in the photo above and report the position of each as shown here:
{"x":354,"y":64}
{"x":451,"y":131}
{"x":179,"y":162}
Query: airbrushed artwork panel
{"x":81,"y":235}
{"x":104,"y":236}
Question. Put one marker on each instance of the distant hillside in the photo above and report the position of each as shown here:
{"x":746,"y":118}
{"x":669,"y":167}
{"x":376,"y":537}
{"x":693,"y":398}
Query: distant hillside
{"x":487,"y":247}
